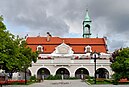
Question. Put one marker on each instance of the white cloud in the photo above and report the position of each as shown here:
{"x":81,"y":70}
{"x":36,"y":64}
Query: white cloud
{"x":63,"y":17}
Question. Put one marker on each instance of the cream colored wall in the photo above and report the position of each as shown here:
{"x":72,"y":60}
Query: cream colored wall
{"x":71,"y":65}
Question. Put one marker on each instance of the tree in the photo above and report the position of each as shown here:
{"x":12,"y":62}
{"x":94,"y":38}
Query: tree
{"x":120,"y":64}
{"x":6,"y":43}
{"x":14,"y":53}
{"x":26,"y":56}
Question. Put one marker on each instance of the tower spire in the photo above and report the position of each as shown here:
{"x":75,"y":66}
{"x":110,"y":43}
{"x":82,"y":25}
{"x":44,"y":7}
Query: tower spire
{"x":87,"y":17}
{"x":86,"y":26}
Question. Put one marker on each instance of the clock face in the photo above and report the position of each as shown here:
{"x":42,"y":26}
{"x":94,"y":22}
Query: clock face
{"x":63,"y":50}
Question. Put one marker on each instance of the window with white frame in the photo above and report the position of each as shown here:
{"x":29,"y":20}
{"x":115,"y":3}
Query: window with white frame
{"x":40,"y":48}
{"x":88,"y":49}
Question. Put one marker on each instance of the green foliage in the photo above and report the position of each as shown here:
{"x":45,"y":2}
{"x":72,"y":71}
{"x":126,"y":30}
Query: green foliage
{"x":88,"y":77}
{"x":58,"y":77}
{"x":51,"y":77}
{"x":14,"y":53}
{"x":121,"y":65}
{"x":33,"y":78}
{"x":1,"y":18}
{"x":72,"y":78}
{"x":91,"y":81}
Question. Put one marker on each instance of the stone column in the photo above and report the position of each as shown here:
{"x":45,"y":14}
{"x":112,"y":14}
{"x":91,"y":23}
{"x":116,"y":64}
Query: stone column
{"x":72,"y":75}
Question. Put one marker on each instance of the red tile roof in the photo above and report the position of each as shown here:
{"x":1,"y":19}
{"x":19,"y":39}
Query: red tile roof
{"x":77,"y":44}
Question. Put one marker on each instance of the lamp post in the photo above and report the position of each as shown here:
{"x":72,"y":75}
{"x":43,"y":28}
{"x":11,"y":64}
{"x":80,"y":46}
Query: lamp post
{"x":1,"y":71}
{"x":25,"y":76}
{"x":24,"y":69}
{"x":95,"y":55}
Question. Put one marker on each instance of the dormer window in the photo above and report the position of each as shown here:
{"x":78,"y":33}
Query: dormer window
{"x":39,"y":48}
{"x":88,"y":49}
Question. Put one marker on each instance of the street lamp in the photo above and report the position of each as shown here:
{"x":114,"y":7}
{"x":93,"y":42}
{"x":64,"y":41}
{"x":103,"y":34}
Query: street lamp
{"x":95,"y":55}
{"x":24,"y":68}
{"x":25,"y":76}
{"x":1,"y":71}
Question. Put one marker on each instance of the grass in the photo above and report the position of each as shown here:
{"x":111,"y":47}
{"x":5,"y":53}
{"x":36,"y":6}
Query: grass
{"x":104,"y":81}
{"x":91,"y":81}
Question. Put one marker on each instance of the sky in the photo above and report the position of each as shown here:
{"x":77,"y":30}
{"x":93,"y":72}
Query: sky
{"x":63,"y":18}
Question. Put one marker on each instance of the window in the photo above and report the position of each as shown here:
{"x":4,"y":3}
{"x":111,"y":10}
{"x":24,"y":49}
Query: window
{"x":88,"y":49}
{"x":87,"y":29}
{"x":40,"y":48}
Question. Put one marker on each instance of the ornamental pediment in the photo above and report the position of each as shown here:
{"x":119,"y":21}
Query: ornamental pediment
{"x":63,"y":49}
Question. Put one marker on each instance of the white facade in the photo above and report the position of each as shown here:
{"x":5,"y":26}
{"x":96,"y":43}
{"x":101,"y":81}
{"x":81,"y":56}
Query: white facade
{"x":64,"y":58}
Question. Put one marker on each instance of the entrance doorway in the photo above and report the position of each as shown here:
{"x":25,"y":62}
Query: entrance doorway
{"x":43,"y":71}
{"x":81,"y":71}
{"x":102,"y":73}
{"x":64,"y":72}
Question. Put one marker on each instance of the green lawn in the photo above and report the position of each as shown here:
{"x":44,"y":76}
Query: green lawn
{"x":91,"y":81}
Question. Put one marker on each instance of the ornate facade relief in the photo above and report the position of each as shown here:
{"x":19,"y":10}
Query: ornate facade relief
{"x":63,"y":49}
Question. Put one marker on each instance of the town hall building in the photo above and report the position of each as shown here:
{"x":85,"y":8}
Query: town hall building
{"x":71,"y":57}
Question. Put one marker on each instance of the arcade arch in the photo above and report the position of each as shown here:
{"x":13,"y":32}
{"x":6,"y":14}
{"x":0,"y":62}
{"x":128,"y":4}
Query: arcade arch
{"x":81,"y":71}
{"x":64,"y":72}
{"x":43,"y":71}
{"x":102,"y":73}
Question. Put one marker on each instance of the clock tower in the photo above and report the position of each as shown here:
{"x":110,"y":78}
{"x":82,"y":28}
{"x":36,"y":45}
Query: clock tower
{"x":86,"y":26}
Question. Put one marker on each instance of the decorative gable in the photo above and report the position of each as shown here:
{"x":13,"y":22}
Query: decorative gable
{"x":40,"y":48}
{"x":63,"y":49}
{"x":88,"y":49}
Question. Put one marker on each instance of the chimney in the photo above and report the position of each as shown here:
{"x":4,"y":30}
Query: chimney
{"x":26,"y":36}
{"x":48,"y":36}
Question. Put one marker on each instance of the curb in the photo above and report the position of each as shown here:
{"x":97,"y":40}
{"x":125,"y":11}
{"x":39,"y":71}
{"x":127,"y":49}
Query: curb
{"x":88,"y":83}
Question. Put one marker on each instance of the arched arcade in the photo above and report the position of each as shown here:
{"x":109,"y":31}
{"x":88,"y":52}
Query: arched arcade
{"x":43,"y":71}
{"x":102,"y":73}
{"x":81,"y":71}
{"x":64,"y":72}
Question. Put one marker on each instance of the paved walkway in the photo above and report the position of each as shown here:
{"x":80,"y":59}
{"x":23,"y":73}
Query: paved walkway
{"x":64,"y":83}
{"x":55,"y":83}
{"x":59,"y":83}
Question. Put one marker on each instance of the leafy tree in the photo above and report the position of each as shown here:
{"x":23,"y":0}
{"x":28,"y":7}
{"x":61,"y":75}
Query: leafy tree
{"x":120,"y":64}
{"x":14,"y":53}
{"x":6,"y":43}
{"x":26,"y":54}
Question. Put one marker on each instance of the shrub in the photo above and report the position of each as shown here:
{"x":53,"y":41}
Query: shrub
{"x":72,"y":78}
{"x":115,"y":82}
{"x":33,"y":78}
{"x":87,"y":77}
{"x":56,"y":77}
